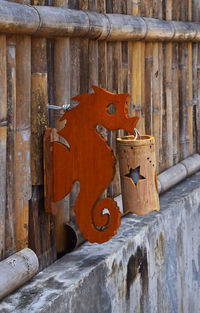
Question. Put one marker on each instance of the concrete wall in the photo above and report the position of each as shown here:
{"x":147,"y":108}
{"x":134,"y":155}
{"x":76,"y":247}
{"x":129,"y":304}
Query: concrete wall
{"x":151,"y":266}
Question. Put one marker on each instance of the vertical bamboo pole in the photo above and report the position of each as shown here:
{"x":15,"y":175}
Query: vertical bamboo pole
{"x":93,"y":78}
{"x":190,"y":81}
{"x":3,"y":142}
{"x":87,"y":54}
{"x":163,"y":154}
{"x":124,"y":75}
{"x":39,"y":102}
{"x":168,"y":91}
{"x":22,"y":188}
{"x":102,"y":54}
{"x":138,"y":74}
{"x":116,"y":83}
{"x":18,"y":184}
{"x":196,"y":77}
{"x":195,"y":16}
{"x":62,"y":95}
{"x":77,"y":60}
{"x":131,"y":108}
{"x":175,"y":89}
{"x":147,"y":10}
{"x":110,"y":64}
{"x":83,"y":75}
{"x":10,"y":230}
{"x":41,"y":238}
{"x":97,"y":64}
{"x":34,"y":222}
{"x":23,"y":139}
{"x":198,"y":101}
{"x":102,"y":69}
{"x":185,"y":120}
{"x":157,"y":89}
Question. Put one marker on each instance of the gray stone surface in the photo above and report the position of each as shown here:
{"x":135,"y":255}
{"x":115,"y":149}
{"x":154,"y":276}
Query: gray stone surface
{"x":151,"y":266}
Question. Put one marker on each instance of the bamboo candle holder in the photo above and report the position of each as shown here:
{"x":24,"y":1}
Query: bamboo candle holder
{"x":137,"y":161}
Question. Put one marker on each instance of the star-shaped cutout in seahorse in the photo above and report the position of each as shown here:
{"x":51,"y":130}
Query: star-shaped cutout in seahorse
{"x":135,"y":175}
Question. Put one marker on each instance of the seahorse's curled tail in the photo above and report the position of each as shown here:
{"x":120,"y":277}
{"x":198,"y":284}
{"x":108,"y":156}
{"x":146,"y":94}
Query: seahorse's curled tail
{"x":97,"y":225}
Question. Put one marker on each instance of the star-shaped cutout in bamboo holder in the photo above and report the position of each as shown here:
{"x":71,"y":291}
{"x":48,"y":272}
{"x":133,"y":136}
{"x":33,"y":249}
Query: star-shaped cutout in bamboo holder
{"x":134,"y":174}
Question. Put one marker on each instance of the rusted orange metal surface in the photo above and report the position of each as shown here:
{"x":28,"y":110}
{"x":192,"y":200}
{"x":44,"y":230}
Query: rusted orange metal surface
{"x":89,"y":160}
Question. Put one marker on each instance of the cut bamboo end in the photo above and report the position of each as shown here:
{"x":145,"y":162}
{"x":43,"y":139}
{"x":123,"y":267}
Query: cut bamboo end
{"x":74,"y":236}
{"x":16,"y":270}
{"x":129,"y":140}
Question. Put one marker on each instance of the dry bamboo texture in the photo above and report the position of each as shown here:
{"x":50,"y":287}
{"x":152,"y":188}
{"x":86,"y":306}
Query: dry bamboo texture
{"x":17,"y":270}
{"x":55,"y":22}
{"x":53,"y":50}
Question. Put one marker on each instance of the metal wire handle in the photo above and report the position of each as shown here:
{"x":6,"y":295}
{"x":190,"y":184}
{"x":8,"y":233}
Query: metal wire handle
{"x":137,"y":134}
{"x":65,"y":107}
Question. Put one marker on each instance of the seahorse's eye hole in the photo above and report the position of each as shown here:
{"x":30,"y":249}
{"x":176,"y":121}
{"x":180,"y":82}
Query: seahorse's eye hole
{"x":111,"y":109}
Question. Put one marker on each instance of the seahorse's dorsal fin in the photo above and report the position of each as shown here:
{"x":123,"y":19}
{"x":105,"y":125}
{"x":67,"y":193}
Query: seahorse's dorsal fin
{"x":99,"y":90}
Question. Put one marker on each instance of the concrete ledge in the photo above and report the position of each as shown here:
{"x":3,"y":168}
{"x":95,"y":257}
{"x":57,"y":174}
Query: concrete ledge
{"x":151,"y":266}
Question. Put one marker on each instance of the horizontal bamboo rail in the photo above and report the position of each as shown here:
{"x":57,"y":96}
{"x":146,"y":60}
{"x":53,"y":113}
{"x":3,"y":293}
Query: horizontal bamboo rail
{"x":16,"y":270}
{"x":175,"y":174}
{"x":58,"y":22}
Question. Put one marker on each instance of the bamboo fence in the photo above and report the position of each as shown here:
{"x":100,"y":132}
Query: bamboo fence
{"x":151,"y":50}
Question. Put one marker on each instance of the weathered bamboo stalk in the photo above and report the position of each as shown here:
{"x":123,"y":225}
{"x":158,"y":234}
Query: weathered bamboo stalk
{"x":184,"y":92}
{"x":175,"y":89}
{"x":131,"y":108}
{"x":178,"y":172}
{"x":39,"y":101}
{"x":195,"y":48}
{"x":190,"y":82}
{"x":102,"y":70}
{"x":41,"y":237}
{"x":124,"y":83}
{"x":41,"y":229}
{"x":3,"y":142}
{"x":197,"y":113}
{"x":196,"y":77}
{"x":77,"y":59}
{"x":62,"y":95}
{"x":109,"y":9}
{"x":16,"y":270}
{"x":157,"y":89}
{"x":23,"y":139}
{"x":22,"y":183}
{"x":55,"y":22}
{"x":138,"y":76}
{"x":168,"y":91}
{"x":92,"y":53}
{"x":147,"y":10}
{"x":116,"y":88}
{"x":10,"y":230}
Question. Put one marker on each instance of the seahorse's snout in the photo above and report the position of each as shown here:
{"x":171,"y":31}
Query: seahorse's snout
{"x":130,"y":124}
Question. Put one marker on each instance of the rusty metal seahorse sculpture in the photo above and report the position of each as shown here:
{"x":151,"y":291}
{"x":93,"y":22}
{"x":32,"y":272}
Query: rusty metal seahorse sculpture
{"x":91,"y":161}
